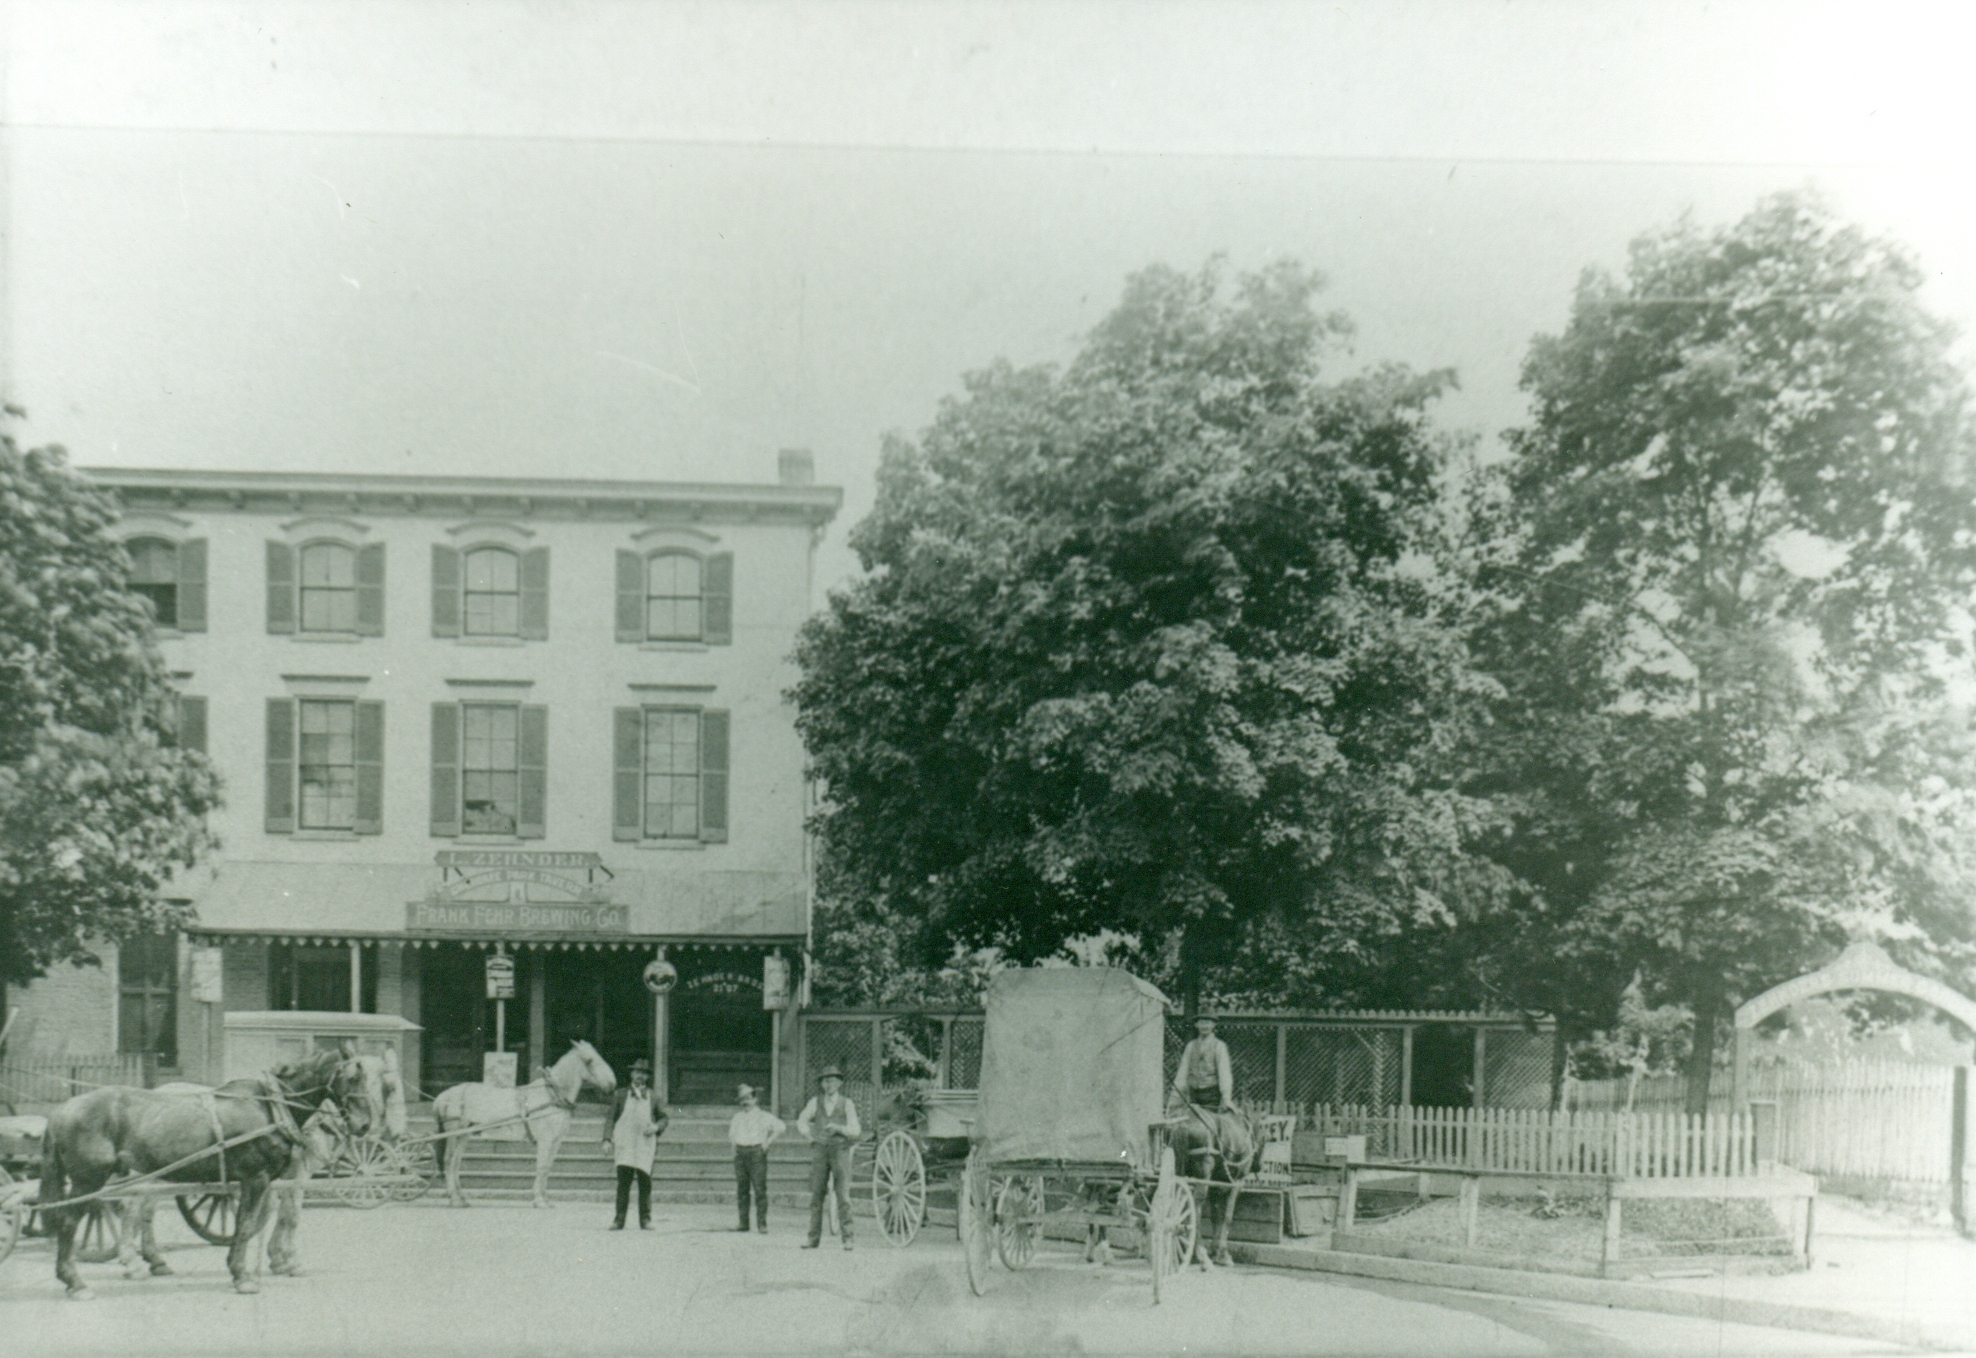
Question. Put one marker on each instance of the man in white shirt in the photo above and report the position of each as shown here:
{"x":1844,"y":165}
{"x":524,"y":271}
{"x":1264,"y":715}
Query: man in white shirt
{"x":752,"y":1131}
{"x":1205,"y":1076}
{"x":830,"y":1157}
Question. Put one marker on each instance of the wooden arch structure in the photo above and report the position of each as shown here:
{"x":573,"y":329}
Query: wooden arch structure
{"x":1862,"y":966}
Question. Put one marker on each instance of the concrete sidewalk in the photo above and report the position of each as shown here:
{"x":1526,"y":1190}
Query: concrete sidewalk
{"x":1871,"y":1278}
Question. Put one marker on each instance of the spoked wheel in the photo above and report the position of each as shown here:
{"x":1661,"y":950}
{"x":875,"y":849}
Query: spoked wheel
{"x":210,"y":1215}
{"x":976,"y":1221}
{"x":100,"y":1232}
{"x":1172,"y":1225}
{"x":1019,"y":1220}
{"x":363,"y":1173}
{"x":13,"y":1219}
{"x":898,"y":1188}
{"x":418,"y":1170}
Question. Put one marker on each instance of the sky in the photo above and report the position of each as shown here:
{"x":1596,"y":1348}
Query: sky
{"x":666,"y":240}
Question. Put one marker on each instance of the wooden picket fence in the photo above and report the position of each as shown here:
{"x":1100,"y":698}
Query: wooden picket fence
{"x":1540,"y":1142}
{"x":1878,"y":1120}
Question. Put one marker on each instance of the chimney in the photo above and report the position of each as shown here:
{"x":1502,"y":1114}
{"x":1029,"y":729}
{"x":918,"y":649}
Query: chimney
{"x":796,"y":467}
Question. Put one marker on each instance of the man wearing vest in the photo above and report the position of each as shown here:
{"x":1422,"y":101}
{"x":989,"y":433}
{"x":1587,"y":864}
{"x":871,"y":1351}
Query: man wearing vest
{"x":830,"y":1121}
{"x":1205,"y":1077}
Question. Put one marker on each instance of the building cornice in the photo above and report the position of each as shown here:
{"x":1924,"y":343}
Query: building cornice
{"x":468,"y":497}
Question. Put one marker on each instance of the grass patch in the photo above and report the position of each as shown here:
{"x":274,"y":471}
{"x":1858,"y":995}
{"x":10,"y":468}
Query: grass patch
{"x":1573,"y":1227}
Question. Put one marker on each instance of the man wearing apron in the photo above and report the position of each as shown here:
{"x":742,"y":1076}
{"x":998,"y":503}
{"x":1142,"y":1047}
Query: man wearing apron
{"x":631,"y":1133}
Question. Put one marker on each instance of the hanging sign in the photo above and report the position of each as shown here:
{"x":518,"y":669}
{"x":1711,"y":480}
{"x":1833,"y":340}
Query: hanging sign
{"x":660,"y":976}
{"x":208,"y":966}
{"x":775,"y":983}
{"x":500,"y":976}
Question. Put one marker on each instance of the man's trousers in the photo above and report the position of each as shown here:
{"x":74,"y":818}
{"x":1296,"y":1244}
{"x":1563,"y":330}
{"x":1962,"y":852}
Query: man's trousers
{"x":751,"y":1179}
{"x":828,"y":1161}
{"x":625,"y":1175}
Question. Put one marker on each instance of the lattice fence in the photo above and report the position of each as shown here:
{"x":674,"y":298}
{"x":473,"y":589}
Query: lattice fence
{"x":842,"y":1042}
{"x":1516,"y":1069}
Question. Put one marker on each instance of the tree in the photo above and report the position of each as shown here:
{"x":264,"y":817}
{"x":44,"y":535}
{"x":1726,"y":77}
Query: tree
{"x":97,"y":806}
{"x":1743,"y":546}
{"x":1159,"y":643}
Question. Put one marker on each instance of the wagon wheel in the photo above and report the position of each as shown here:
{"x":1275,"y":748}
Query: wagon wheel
{"x":898,"y":1188}
{"x":210,"y":1215}
{"x":363,"y":1172}
{"x":976,"y":1220}
{"x":1172,"y":1224}
{"x":100,"y":1233}
{"x":418,"y":1168}
{"x":1018,"y":1220}
{"x":13,"y":1220}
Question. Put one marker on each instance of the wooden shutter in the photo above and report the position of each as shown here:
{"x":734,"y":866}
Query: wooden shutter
{"x":370,"y":769}
{"x":535,"y":594}
{"x":192,"y":585}
{"x":445,"y":591}
{"x":370,"y":590}
{"x":627,"y":783}
{"x":717,"y":596}
{"x":446,"y":769}
{"x":281,"y":766}
{"x":281,"y":587}
{"x":191,"y":733}
{"x":713,"y":775}
{"x":533,"y":767}
{"x":630,"y":596}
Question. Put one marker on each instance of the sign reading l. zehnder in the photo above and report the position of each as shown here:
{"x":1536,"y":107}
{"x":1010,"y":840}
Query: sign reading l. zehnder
{"x":515,"y":917}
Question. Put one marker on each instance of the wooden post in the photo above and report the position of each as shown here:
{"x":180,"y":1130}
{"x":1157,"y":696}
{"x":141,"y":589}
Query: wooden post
{"x":877,"y":1061}
{"x":356,"y":977}
{"x":1958,"y":1151}
{"x":1739,"y":1070}
{"x":1763,"y":1134}
{"x":1609,"y":1247}
{"x":1406,"y":1066}
{"x":1282,"y":1064}
{"x":1481,"y":1064}
{"x":946,"y":1052}
{"x":1348,"y":1199}
{"x":1471,"y":1203}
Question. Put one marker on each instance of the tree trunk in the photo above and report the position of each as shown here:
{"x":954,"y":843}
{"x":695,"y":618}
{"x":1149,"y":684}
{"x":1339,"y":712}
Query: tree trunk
{"x":1706,"y":1000}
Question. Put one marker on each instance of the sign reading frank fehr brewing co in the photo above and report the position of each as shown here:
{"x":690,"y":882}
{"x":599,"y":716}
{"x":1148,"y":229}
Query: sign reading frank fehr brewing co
{"x":515,"y":917}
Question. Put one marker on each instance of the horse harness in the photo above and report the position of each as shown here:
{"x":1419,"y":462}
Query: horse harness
{"x":273,"y":1098}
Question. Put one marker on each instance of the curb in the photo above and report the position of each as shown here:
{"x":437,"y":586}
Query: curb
{"x":1606,"y":1292}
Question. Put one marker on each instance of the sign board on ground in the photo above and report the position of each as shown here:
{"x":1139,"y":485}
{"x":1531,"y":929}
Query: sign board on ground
{"x":499,"y":1069}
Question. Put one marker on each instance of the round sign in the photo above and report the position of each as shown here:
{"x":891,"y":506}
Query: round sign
{"x":660,"y":976}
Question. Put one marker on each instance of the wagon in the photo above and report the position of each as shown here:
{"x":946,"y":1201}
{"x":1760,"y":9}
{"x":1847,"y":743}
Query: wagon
{"x":1070,"y":1130}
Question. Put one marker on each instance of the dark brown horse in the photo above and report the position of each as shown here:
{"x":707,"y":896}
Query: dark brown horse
{"x":107,"y":1132}
{"x":1219,"y":1146}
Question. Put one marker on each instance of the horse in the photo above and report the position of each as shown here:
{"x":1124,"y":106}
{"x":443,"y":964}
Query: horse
{"x":544,"y":1106}
{"x":184,"y":1137}
{"x":1219,"y":1146}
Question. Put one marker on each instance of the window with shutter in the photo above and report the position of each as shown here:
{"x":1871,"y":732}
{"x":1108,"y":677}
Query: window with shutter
{"x":445,"y":591}
{"x":446,"y":769}
{"x":672,"y":774}
{"x":493,"y":593}
{"x":369,"y":817}
{"x":154,"y":577}
{"x":281,"y":588}
{"x":192,"y":585}
{"x":534,"y":770}
{"x":189,"y":728}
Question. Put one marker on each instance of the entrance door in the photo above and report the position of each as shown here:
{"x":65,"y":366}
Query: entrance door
{"x":601,"y":998}
{"x":721,"y":1035}
{"x":458,"y":1018}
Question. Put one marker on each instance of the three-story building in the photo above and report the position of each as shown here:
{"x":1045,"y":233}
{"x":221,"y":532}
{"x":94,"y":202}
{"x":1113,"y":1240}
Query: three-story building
{"x":465,"y":718}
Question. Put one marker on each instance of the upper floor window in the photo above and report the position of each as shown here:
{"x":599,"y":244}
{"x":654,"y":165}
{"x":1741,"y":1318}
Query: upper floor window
{"x":671,"y":774}
{"x":172,"y":575}
{"x":329,"y":588}
{"x":154,"y":574}
{"x":325,"y":765}
{"x":490,"y":769}
{"x":493,"y":593}
{"x":326,"y":588}
{"x":672,"y":597}
{"x":329,"y":765}
{"x":490,"y":591}
{"x":675,"y":595}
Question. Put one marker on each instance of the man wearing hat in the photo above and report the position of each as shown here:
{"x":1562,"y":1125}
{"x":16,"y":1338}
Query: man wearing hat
{"x":752,"y":1131}
{"x":1205,"y":1076}
{"x":830,"y":1121}
{"x":631,"y":1134}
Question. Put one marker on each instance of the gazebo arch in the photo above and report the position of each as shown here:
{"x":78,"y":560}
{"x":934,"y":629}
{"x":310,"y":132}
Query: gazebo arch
{"x":1862,"y":966}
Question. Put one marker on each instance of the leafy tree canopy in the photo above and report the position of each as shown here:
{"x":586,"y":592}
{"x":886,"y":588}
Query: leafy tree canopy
{"x":97,"y":807}
{"x":1158,"y":643}
{"x":1738,"y":544}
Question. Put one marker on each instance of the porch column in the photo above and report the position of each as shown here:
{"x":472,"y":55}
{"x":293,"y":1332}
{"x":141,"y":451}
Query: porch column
{"x":661,"y":1055}
{"x":356,"y":977}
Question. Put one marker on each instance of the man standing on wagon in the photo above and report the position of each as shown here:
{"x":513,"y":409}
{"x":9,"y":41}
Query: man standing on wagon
{"x":830,"y":1153}
{"x":1205,"y":1077}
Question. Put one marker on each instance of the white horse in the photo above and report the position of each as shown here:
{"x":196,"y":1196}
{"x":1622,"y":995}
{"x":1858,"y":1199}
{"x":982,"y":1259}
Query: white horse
{"x":544,"y":1106}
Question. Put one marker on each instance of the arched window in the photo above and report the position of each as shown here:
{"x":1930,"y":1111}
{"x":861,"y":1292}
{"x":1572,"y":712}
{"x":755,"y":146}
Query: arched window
{"x":154,"y":574}
{"x":673,"y":601}
{"x":493,"y":593}
{"x":329,"y":588}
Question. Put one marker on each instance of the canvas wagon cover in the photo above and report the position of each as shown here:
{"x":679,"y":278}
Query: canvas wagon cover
{"x":1071,"y":1066}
